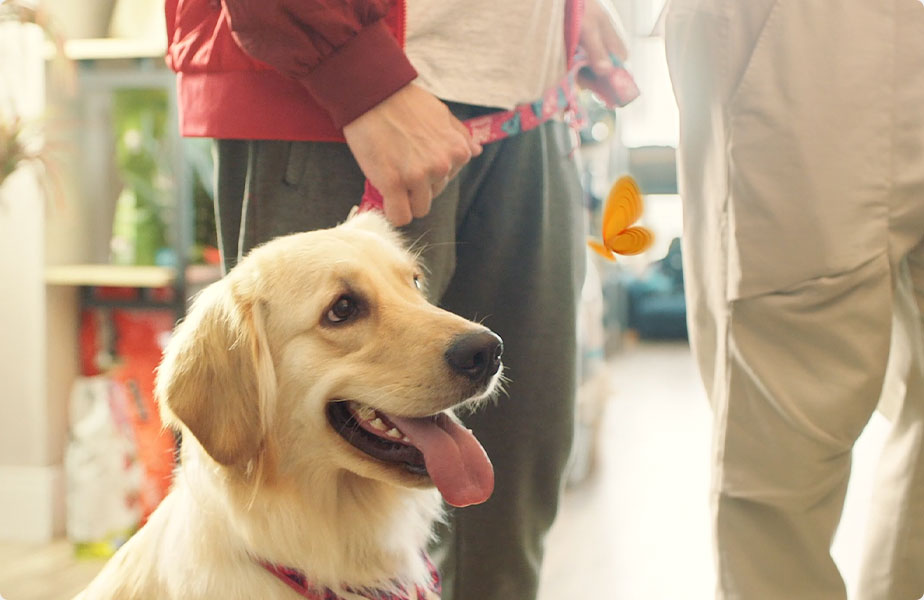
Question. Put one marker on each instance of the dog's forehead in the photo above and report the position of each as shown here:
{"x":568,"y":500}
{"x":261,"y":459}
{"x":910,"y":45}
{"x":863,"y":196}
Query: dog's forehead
{"x":360,"y":250}
{"x":341,"y":251}
{"x":369,"y":248}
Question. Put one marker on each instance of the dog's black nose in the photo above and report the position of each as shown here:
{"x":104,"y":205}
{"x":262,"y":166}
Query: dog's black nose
{"x":476,"y":355}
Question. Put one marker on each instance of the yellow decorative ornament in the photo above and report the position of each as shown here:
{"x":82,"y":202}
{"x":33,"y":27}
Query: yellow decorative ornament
{"x":623,"y":208}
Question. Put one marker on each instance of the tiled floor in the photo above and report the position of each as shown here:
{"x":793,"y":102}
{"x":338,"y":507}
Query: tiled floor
{"x":638,"y":529}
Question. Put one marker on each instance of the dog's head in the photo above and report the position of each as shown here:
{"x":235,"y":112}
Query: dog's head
{"x":320,"y":348}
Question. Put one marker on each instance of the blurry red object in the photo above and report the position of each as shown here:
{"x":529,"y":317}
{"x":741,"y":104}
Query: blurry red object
{"x":139,"y":336}
{"x":211,"y":255}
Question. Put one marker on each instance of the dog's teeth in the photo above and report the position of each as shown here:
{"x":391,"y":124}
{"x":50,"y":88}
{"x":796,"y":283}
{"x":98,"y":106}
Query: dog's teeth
{"x":406,"y":439}
{"x":378,"y":424}
{"x":365,"y":412}
{"x":394,"y":433}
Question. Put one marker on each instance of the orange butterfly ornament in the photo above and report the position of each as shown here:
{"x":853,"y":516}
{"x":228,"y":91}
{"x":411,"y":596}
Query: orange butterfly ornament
{"x":623,"y":208}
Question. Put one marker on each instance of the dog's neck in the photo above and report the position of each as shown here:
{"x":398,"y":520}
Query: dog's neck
{"x":336,"y":527}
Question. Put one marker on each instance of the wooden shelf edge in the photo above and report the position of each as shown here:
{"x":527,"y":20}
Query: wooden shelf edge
{"x":110,"y":276}
{"x":128,"y":275}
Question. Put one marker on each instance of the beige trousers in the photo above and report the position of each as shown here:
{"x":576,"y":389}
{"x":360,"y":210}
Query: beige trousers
{"x":801,"y":167}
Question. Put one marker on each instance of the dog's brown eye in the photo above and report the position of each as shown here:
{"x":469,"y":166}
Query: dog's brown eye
{"x":344,"y":308}
{"x":417,"y":283}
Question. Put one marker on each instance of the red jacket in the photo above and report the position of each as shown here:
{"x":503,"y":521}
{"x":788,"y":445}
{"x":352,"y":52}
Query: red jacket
{"x":290,"y":69}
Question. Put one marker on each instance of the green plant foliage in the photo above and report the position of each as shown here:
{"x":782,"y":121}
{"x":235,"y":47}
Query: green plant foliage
{"x":139,"y":231}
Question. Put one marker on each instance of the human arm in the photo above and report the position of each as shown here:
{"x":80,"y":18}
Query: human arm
{"x":404,"y":139}
{"x":603,"y":39}
{"x":342,"y":52}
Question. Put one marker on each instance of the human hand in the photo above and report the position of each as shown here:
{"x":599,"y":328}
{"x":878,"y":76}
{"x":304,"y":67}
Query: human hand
{"x":409,"y":147}
{"x":603,"y":39}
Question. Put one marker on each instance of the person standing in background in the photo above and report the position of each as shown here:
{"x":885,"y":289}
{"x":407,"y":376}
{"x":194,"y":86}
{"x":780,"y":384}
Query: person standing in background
{"x":801,"y":166}
{"x":309,"y":98}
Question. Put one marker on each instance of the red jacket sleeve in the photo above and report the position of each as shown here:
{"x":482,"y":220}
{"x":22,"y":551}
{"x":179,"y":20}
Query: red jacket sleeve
{"x":342,"y":51}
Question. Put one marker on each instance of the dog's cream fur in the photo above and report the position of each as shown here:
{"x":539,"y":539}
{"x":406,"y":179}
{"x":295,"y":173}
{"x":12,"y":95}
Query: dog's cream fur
{"x":246,"y":379}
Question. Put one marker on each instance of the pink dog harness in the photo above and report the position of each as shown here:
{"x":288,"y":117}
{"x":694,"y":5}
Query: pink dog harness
{"x":297,"y":580}
{"x":619,"y":89}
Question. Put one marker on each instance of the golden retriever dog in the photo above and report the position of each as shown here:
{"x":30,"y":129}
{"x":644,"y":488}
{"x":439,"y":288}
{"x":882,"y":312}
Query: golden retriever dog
{"x":314,"y":387}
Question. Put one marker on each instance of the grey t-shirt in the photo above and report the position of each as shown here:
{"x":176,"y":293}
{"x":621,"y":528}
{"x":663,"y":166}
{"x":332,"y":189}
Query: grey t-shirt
{"x":496,"y":53}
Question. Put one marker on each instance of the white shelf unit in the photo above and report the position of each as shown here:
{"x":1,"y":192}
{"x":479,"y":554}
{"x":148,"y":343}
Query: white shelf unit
{"x":104,"y":66}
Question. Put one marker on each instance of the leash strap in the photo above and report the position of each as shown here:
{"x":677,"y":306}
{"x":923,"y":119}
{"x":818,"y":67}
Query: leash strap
{"x":618,"y":90}
{"x":297,"y":580}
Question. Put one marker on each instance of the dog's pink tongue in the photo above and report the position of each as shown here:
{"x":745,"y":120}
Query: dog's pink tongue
{"x":456,"y":462}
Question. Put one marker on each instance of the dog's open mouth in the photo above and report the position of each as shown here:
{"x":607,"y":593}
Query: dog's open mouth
{"x":375,"y":434}
{"x":435,"y":445}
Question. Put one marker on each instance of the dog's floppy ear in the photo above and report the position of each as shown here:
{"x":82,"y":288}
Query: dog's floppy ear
{"x":217,"y":376}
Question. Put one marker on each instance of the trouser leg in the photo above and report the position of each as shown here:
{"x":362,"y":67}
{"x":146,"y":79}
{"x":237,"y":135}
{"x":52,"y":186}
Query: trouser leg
{"x":894,"y":549}
{"x":805,"y":369}
{"x":793,"y":226}
{"x":519,"y":270}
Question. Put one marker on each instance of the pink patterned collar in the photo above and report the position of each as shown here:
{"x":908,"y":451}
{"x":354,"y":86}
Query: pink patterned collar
{"x":297,"y":580}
